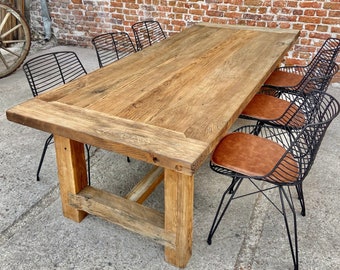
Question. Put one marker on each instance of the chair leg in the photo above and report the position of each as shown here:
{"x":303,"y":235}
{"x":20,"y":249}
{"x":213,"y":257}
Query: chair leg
{"x":301,"y":199}
{"x":218,"y":217}
{"x":87,"y":147}
{"x":232,"y":185}
{"x":47,"y":143}
{"x":258,"y":128}
{"x":293,"y":248}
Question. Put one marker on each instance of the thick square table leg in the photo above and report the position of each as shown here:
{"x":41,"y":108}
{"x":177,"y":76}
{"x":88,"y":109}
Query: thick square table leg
{"x":71,"y":172}
{"x":179,"y":200}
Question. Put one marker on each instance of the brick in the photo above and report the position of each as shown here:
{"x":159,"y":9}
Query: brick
{"x":297,"y":12}
{"x":233,"y":2}
{"x":335,"y":29}
{"x":309,"y":12}
{"x":321,"y":13}
{"x":308,"y":19}
{"x":334,"y":13}
{"x":309,"y":4}
{"x":214,"y":13}
{"x":332,"y":21}
{"x":279,"y":3}
{"x":219,"y":20}
{"x":332,"y":5}
{"x":292,"y":4}
{"x":284,"y":25}
{"x":234,"y":15}
{"x":180,"y":10}
{"x":253,"y":2}
{"x":322,"y":28}
{"x":310,"y":27}
{"x":319,"y":35}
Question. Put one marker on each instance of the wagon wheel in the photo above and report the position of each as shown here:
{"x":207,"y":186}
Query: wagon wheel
{"x":15,"y":40}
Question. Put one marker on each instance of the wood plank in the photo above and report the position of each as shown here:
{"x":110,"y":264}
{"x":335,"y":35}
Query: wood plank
{"x":146,"y":186}
{"x":155,"y":145}
{"x":130,"y":215}
{"x":71,"y":172}
{"x":179,"y":203}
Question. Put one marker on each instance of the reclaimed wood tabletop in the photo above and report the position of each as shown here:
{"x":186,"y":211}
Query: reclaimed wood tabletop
{"x":168,"y":105}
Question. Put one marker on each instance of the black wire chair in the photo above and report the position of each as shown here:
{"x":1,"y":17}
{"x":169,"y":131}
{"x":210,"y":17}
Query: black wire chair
{"x":282,"y":157}
{"x":291,"y":78}
{"x":286,"y":109}
{"x":147,"y":33}
{"x":111,"y":47}
{"x":50,"y":70}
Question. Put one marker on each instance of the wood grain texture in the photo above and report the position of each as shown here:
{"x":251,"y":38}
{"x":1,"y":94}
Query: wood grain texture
{"x":128,"y":214}
{"x":146,"y":186}
{"x":179,"y":209}
{"x":191,"y":87}
{"x":71,"y":173}
{"x":168,"y":105}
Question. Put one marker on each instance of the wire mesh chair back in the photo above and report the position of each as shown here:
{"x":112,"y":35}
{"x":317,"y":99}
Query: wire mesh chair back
{"x":320,"y":78}
{"x":111,"y":47}
{"x":147,"y":33}
{"x":321,"y":65}
{"x":332,"y":45}
{"x":307,"y":143}
{"x":49,"y":70}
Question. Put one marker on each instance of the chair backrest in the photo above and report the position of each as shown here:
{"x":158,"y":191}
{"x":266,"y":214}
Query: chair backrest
{"x":49,"y":70}
{"x":332,"y":45}
{"x":111,"y":47}
{"x":302,"y":105}
{"x":322,"y":63}
{"x":320,"y":78}
{"x":304,"y":143}
{"x":147,"y":33}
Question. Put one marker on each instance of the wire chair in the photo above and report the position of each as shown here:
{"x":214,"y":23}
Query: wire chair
{"x":147,"y":33}
{"x":48,"y":71}
{"x":111,"y":47}
{"x":286,"y":109}
{"x":291,"y":78}
{"x":279,"y":156}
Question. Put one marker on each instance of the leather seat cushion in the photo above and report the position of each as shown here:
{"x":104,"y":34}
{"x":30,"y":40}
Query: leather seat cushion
{"x":269,"y":108}
{"x":254,"y":156}
{"x":283,"y":79}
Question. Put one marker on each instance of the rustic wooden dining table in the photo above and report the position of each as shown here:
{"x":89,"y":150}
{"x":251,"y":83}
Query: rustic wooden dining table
{"x":168,"y":105}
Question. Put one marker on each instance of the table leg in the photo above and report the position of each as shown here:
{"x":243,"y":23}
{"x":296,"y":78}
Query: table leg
{"x":71,"y":172}
{"x":179,"y":199}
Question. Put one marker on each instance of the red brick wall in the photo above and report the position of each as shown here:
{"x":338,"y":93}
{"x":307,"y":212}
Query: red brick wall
{"x":75,"y":22}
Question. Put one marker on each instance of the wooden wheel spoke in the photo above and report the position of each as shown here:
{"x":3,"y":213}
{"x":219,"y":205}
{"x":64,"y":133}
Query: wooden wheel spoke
{"x":4,"y":21}
{"x":3,"y":60}
{"x":10,"y":31}
{"x":11,"y":52}
{"x":14,"y":41}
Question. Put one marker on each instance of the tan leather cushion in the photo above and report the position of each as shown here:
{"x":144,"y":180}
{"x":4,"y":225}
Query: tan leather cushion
{"x":269,"y":108}
{"x":253,"y":156}
{"x":283,"y":79}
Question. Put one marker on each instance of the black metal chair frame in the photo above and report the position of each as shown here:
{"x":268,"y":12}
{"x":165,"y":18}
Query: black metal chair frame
{"x":292,"y":118}
{"x":50,"y":70}
{"x":301,"y":147}
{"x":327,"y":53}
{"x":147,"y":33}
{"x":111,"y":47}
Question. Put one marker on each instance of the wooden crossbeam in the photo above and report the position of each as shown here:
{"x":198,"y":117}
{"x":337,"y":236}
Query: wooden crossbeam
{"x":146,"y":186}
{"x":128,"y":214}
